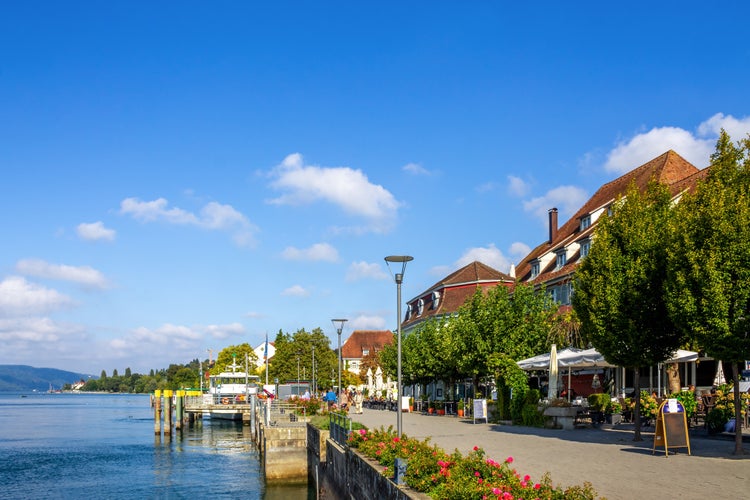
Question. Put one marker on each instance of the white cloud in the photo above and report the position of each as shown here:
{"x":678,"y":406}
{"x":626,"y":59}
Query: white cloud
{"x":225,"y":331}
{"x":19,"y":297}
{"x":254,"y":315}
{"x":317,"y":252}
{"x":415,"y":169}
{"x":33,"y":330}
{"x":83,"y":275}
{"x":365,"y":270}
{"x":517,"y":186}
{"x":367,"y":322}
{"x":95,"y":231}
{"x":519,"y":250}
{"x":567,"y":199}
{"x":694,"y":147}
{"x":213,"y":216}
{"x":489,"y":255}
{"x":344,"y":187}
{"x":295,"y":291}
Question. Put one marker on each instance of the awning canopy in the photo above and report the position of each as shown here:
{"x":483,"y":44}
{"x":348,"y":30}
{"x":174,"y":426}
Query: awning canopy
{"x":588,"y":358}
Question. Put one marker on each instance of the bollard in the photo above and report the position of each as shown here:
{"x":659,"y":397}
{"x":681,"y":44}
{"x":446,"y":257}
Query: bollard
{"x":178,"y":418}
{"x":167,"y":412}
{"x":157,"y":412}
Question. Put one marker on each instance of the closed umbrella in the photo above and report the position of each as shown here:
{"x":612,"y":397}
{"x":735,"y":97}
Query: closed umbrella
{"x":552,"y":390}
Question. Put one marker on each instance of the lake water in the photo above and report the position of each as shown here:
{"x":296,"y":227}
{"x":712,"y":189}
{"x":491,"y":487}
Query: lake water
{"x":103,"y":446}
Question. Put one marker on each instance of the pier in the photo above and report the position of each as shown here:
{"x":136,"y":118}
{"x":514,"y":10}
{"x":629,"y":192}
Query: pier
{"x":278,"y":432}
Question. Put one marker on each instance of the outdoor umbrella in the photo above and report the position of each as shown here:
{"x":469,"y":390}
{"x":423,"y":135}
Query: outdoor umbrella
{"x":552,"y":388}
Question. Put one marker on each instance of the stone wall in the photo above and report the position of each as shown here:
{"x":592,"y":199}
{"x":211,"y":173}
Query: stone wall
{"x":284,"y":452}
{"x":349,"y":475}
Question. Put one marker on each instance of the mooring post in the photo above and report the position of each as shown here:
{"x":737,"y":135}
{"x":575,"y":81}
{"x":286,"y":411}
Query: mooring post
{"x":167,"y":412}
{"x":157,"y":412}
{"x":178,"y":418}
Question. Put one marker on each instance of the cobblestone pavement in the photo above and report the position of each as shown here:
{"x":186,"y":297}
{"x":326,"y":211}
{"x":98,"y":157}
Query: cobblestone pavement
{"x":607,"y":457}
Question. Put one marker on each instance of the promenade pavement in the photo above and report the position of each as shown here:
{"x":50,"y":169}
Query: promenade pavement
{"x":607,"y":457}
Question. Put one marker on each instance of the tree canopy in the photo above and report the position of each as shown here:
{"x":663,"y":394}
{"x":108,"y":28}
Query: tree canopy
{"x":620,"y":286}
{"x":709,"y":286}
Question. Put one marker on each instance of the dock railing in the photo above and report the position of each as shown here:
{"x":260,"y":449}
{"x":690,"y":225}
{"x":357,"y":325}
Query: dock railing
{"x":340,"y":426}
{"x":283,"y":414}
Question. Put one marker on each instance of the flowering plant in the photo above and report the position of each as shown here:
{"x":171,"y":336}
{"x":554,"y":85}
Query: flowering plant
{"x":649,"y":406}
{"x":723,"y":409}
{"x":432,"y":471}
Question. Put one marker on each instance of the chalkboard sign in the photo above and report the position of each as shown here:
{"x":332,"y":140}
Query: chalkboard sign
{"x":671,"y":427}
{"x":480,"y":410}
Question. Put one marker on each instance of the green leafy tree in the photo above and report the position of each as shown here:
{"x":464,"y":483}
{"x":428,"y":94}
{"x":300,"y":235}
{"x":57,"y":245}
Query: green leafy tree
{"x":619,"y":287}
{"x":709,"y":286}
{"x":290,"y":347}
{"x":233,"y":354}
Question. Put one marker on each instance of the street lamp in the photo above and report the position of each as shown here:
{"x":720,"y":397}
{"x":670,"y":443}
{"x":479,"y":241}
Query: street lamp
{"x":338,"y":324}
{"x":314,"y":386}
{"x":298,"y":353}
{"x":399,"y":277}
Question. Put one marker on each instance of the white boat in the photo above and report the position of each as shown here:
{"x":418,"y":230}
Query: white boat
{"x":229,"y":392}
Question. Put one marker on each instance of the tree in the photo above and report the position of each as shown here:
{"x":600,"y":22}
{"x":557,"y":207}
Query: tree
{"x":234,"y":354}
{"x":619,"y":287}
{"x":289,"y":347}
{"x":709,"y":268}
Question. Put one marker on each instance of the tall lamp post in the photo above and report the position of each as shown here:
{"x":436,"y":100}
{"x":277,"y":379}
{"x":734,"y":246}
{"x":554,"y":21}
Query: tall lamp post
{"x":399,"y":277}
{"x":338,"y":324}
{"x":314,"y":386}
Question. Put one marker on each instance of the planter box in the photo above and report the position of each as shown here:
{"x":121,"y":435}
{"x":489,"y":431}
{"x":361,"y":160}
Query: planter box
{"x":561,"y":416}
{"x":614,"y":418}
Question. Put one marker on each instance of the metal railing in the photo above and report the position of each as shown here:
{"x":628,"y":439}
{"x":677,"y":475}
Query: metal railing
{"x":283,"y":414}
{"x":340,"y":426}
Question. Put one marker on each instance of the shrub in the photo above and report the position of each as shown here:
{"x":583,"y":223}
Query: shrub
{"x":598,"y":401}
{"x":432,"y":471}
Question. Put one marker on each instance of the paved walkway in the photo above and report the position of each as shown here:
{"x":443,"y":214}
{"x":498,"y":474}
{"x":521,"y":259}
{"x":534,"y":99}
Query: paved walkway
{"x":607,"y":457}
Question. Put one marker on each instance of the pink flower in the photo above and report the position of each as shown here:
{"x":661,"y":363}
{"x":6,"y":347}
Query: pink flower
{"x":497,"y":491}
{"x":476,"y":448}
{"x":362,"y":432}
{"x":476,"y":473}
{"x":509,"y":460}
{"x":396,"y":440}
{"x":526,"y":477}
{"x":537,"y":486}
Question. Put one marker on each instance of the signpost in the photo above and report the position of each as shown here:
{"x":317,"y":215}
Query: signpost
{"x":480,"y":410}
{"x":671,"y":427}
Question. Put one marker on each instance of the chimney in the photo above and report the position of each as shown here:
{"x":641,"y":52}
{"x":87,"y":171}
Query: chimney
{"x":552,"y":224}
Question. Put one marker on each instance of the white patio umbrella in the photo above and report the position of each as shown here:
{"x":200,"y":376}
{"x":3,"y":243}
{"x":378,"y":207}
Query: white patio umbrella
{"x":369,"y":381}
{"x":552,"y":387}
{"x":719,"y":379}
{"x":379,"y":382}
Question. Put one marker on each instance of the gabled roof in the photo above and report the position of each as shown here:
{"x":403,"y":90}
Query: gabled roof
{"x":451,"y":292}
{"x":365,"y":340}
{"x":669,"y":168}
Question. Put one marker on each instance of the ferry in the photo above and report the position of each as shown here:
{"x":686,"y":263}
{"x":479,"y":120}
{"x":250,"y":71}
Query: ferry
{"x":229,"y":392}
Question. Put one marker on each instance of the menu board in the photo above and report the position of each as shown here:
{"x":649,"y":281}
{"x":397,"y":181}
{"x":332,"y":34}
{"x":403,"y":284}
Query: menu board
{"x":480,"y":410}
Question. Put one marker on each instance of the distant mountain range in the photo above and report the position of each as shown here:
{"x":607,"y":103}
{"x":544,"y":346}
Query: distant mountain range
{"x":20,"y":378}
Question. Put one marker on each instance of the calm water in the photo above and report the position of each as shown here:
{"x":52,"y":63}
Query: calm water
{"x":103,"y":446}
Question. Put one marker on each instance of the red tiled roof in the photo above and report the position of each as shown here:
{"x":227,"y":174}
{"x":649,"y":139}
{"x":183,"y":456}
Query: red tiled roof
{"x":455,"y":289}
{"x":361,"y":340}
{"x":669,"y":168}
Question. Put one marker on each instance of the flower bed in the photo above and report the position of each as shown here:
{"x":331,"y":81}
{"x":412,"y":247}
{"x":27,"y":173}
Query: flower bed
{"x":454,"y":476}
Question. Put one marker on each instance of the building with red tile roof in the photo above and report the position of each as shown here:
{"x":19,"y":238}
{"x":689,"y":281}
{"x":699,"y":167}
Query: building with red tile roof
{"x":447,"y":295}
{"x":361,"y":343}
{"x":553,"y":263}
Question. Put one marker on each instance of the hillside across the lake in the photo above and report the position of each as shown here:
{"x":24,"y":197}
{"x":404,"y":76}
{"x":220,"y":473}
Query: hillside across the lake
{"x":20,"y":378}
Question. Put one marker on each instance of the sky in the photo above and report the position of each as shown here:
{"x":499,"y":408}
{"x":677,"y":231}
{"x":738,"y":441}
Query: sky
{"x":184,"y":176}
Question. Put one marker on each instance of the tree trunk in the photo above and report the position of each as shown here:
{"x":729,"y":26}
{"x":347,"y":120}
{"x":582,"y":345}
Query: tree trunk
{"x":737,"y":411}
{"x":673,"y":378}
{"x":637,"y":409}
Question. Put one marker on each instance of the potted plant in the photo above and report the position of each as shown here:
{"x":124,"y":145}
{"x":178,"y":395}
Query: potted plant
{"x":440,"y":407}
{"x":613,"y":412}
{"x":431,"y":407}
{"x":411,"y":405}
{"x":460,"y":408}
{"x":597,"y":404}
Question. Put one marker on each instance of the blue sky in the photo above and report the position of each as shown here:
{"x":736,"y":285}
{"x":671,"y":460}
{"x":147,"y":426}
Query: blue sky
{"x":179,"y":176}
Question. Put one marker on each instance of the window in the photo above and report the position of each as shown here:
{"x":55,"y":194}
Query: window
{"x":561,"y":259}
{"x":408,"y":312}
{"x":534,"y":269}
{"x":365,"y":352}
{"x":585,"y":222}
{"x":435,"y":300}
{"x":585,"y":248}
{"x":420,"y":307}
